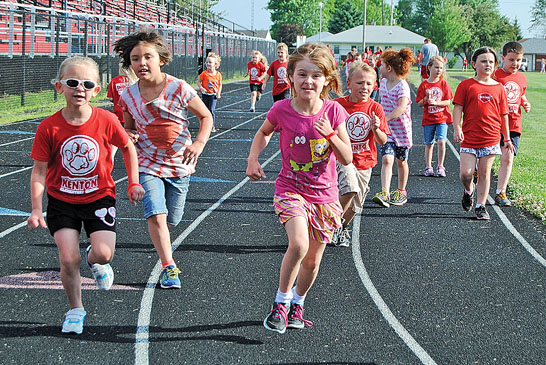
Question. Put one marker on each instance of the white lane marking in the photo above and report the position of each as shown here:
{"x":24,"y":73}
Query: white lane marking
{"x":16,"y":171}
{"x":504,"y":219}
{"x":19,"y":140}
{"x":379,"y":302}
{"x":142,"y":336}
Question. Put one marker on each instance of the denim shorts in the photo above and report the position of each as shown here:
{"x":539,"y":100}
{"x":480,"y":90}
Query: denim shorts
{"x":164,"y":195}
{"x":482,"y":151}
{"x":514,"y":137}
{"x":440,"y":130}
{"x":389,"y":148}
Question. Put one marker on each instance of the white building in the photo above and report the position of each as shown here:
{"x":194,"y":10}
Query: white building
{"x":535,"y":51}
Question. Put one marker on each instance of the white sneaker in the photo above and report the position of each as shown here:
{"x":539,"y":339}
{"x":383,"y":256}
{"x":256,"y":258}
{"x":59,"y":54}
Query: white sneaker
{"x":103,"y":274}
{"x":344,"y":237}
{"x":73,"y":321}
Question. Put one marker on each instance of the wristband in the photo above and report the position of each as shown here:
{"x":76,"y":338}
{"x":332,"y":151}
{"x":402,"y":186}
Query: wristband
{"x":507,"y":140}
{"x":331,"y":135}
{"x":133,"y":184}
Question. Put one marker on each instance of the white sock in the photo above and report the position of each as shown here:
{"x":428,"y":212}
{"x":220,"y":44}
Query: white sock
{"x":479,"y":205}
{"x":284,"y":298}
{"x":297,"y":299}
{"x":498,"y":191}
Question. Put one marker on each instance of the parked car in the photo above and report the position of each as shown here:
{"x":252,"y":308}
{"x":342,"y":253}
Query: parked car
{"x":524,"y":64}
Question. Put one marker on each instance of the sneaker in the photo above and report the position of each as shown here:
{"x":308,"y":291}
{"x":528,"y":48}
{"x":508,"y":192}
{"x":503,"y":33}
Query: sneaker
{"x":103,"y":274}
{"x":252,"y":109}
{"x":335,"y":236}
{"x":277,"y":319}
{"x":73,"y":321}
{"x":169,"y":277}
{"x":398,"y":198}
{"x":214,"y":130}
{"x":440,"y":171}
{"x":258,"y":97}
{"x":502,"y":200}
{"x":429,"y":171}
{"x":382,"y":198}
{"x":344,"y":237}
{"x":467,"y":202}
{"x":481,"y":213}
{"x":295,"y":317}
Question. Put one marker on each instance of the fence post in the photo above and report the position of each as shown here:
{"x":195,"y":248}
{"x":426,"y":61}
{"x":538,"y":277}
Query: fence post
{"x":23,"y":57}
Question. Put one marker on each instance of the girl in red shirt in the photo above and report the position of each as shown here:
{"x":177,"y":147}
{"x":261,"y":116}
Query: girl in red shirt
{"x":211,"y":84}
{"x":483,"y":102}
{"x":256,"y":70}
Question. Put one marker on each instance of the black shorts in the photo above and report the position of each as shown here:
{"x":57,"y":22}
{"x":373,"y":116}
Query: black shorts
{"x":99,"y":215}
{"x":256,"y":87}
{"x":284,"y":95}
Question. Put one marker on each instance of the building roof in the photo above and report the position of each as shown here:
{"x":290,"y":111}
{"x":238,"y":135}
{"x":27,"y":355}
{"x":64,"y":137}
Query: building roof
{"x":376,"y":34}
{"x":534,"y":45}
{"x":315,"y":38}
{"x":256,"y":33}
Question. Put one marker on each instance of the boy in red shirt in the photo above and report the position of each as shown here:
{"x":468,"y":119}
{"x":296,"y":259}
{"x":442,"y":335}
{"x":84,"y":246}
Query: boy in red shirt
{"x":514,"y":83}
{"x":277,"y":70}
{"x":366,"y":124}
{"x":256,"y":70}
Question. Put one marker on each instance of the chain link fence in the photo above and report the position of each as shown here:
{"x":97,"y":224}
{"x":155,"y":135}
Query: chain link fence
{"x":35,"y":40}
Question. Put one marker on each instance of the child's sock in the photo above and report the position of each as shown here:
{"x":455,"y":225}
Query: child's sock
{"x":479,"y":205}
{"x":284,"y":298}
{"x":498,"y":191}
{"x":468,"y":192}
{"x":297,"y":299}
{"x":170,"y":262}
{"x":403,"y":191}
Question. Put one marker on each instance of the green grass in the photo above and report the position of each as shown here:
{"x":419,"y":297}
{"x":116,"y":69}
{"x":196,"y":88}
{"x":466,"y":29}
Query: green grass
{"x":527,"y":187}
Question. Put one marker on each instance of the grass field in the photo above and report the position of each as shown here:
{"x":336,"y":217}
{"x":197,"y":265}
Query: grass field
{"x":527,"y":187}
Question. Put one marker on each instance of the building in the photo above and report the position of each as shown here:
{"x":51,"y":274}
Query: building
{"x":385,"y":36}
{"x":535,"y":51}
{"x":265,"y":34}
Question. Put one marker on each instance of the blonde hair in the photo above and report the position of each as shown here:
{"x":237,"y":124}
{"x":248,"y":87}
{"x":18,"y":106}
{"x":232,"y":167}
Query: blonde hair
{"x":261,"y":57}
{"x":215,"y":57}
{"x":76,"y":60}
{"x":400,"y":61}
{"x":282,"y":46}
{"x":360,"y":66}
{"x":439,"y":59}
{"x":320,"y":56}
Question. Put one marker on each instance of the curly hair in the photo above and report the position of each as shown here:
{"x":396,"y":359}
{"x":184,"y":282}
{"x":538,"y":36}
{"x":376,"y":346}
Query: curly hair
{"x":400,"y":61}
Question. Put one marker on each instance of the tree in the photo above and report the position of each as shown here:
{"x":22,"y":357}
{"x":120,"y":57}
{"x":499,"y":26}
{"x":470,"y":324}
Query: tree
{"x":344,"y":17}
{"x":448,"y":26}
{"x":288,"y":32}
{"x":302,"y":12}
{"x":538,"y":16}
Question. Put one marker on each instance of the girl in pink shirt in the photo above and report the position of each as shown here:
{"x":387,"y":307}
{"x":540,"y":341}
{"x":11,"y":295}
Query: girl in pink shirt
{"x":312,"y":136}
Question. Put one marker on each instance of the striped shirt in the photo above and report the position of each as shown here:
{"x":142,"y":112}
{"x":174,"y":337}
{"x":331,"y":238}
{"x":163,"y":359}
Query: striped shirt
{"x":400,"y":127}
{"x":162,"y":125}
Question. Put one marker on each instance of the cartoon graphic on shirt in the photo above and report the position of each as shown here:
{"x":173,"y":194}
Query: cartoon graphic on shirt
{"x":513,"y":94}
{"x":103,"y":214}
{"x":435,"y":93}
{"x":79,"y":156}
{"x":358,"y":127}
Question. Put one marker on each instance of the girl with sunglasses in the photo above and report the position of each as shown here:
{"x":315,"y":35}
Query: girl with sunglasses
{"x":72,"y":157}
{"x":156,"y":118}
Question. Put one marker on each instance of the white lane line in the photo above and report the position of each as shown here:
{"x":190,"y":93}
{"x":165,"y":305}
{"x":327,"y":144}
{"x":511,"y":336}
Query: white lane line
{"x":19,"y":140}
{"x":380,"y":303}
{"x":142,"y":336}
{"x":16,"y":171}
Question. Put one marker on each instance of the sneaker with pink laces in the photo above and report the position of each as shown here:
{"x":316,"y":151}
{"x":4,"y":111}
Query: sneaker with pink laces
{"x":295,"y":317}
{"x":429,"y":171}
{"x":440,"y":171}
{"x":277,"y":319}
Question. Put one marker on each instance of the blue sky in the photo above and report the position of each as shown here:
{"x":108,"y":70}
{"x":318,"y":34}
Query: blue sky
{"x":238,"y":11}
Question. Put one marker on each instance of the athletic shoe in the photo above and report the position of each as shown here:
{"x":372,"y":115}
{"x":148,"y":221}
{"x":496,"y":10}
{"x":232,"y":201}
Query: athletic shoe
{"x":467,"y":202}
{"x":258,"y":97}
{"x":382,"y":198}
{"x":440,"y":171}
{"x":398,"y":198}
{"x":344,"y":237}
{"x":73,"y":321}
{"x":214,"y":130}
{"x":169,"y":277}
{"x":252,"y":109}
{"x":295,"y":317}
{"x":277,"y":319}
{"x":481,"y":213}
{"x":103,"y":274}
{"x":335,"y":236}
{"x":502,"y":200}
{"x":429,"y":171}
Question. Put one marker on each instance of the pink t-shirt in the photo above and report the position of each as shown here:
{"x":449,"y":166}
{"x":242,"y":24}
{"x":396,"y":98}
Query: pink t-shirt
{"x":400,"y":127}
{"x":308,"y":162}
{"x":162,"y":124}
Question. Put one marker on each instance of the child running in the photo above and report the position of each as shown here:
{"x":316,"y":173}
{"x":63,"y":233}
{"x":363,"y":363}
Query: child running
{"x":256,"y":69}
{"x":312,"y":135}
{"x":396,"y":100}
{"x":515,"y":84}
{"x":73,"y":158}
{"x":277,"y":70}
{"x":211,"y":84}
{"x":434,"y":94}
{"x":156,"y":118}
{"x":482,"y":101}
{"x":366,"y":125}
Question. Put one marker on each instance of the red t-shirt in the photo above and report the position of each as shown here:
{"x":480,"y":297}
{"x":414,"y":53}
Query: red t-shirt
{"x":359,"y":128}
{"x":277,"y":70}
{"x":255,"y":70}
{"x":438,"y":91}
{"x":211,"y":83}
{"x":515,"y":86}
{"x":79,"y":157}
{"x":116,"y":87}
{"x":483,"y":108}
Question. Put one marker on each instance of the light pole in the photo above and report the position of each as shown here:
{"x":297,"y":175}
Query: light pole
{"x":320,"y":20}
{"x":364,"y":27}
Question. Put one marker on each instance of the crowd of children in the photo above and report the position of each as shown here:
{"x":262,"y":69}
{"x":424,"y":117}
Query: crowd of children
{"x":328,"y":149}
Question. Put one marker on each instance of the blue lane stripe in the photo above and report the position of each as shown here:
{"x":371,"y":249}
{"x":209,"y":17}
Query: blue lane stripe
{"x":13,"y":213}
{"x":16,"y":132}
{"x":233,"y":139}
{"x":207,"y":180}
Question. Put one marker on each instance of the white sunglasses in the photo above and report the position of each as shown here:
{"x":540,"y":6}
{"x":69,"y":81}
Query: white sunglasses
{"x":74,"y":83}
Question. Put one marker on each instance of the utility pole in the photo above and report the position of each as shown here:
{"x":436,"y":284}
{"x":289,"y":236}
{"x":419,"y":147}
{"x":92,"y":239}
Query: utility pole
{"x":252,"y":15}
{"x":364,"y":27}
{"x":392,"y":13}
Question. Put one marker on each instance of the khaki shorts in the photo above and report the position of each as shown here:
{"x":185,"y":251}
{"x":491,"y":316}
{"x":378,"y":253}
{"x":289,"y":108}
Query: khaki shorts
{"x":351,"y":180}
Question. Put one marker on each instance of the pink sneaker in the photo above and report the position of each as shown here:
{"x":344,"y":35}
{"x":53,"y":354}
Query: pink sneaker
{"x":429,"y":171}
{"x":440,"y":171}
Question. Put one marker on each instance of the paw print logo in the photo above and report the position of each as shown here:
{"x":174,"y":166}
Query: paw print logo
{"x":358,"y":126}
{"x":281,"y":73}
{"x":79,"y":155}
{"x":435,"y":93}
{"x":103,"y":214}
{"x":513,"y":92}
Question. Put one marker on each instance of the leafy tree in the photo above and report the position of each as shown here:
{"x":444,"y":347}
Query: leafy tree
{"x":303,"y":12}
{"x":538,"y":16}
{"x":344,"y":17}
{"x":448,"y":26}
{"x":288,"y":32}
